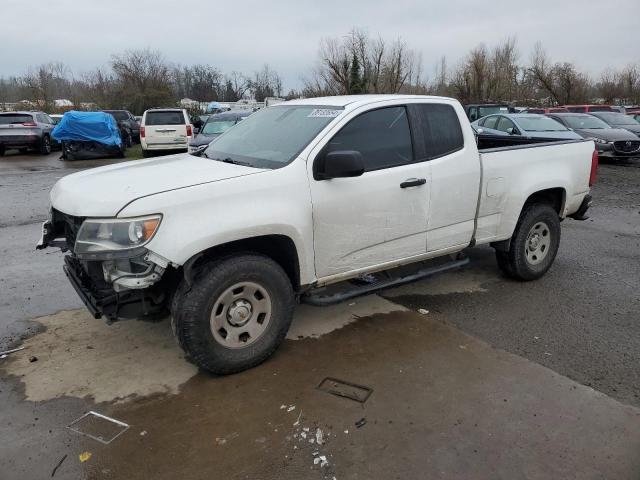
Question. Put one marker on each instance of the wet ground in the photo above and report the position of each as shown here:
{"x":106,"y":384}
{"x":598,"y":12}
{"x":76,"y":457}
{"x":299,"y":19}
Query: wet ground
{"x":494,"y":379}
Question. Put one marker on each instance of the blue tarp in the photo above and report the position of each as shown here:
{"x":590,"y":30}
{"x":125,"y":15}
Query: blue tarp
{"x":88,"y":126}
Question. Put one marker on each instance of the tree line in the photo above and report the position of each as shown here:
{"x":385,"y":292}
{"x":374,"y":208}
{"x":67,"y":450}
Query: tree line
{"x":351,"y":64}
{"x":137,"y":80}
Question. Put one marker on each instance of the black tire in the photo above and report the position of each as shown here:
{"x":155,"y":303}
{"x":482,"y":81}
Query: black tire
{"x":126,"y":141}
{"x":2,"y":150}
{"x":45,"y":145}
{"x":534,"y":244}
{"x":193,"y":316}
{"x":146,"y":153}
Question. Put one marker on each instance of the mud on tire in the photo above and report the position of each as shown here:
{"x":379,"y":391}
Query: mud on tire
{"x":235,"y":314}
{"x":534,"y":244}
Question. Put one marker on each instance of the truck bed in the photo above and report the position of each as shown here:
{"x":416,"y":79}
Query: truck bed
{"x":510,"y":174}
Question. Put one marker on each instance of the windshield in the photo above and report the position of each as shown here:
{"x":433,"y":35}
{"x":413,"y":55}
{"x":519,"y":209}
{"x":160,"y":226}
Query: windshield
{"x":617,"y":119}
{"x":118,"y":115}
{"x":484,"y":111}
{"x":217,"y":126}
{"x":540,"y":124}
{"x":273,"y":136}
{"x":585,"y":121}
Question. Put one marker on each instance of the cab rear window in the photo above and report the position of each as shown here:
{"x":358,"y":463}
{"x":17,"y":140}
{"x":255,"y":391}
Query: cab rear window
{"x":164,"y":118}
{"x":9,"y":118}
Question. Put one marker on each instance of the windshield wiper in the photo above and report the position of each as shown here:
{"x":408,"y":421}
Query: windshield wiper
{"x":236,"y":162}
{"x":231,"y":160}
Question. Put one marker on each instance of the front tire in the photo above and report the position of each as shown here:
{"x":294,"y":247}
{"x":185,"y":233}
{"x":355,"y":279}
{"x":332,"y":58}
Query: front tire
{"x":534,"y":244}
{"x":236,"y":313}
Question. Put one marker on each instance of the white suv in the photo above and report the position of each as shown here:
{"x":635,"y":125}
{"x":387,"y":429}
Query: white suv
{"x":165,"y":129}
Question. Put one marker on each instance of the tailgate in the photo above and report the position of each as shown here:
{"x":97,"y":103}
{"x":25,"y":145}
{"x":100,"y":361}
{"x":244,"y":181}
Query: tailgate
{"x":166,"y":134}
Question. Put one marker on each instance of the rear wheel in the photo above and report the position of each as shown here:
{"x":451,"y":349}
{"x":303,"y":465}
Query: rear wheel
{"x":146,"y":153}
{"x":45,"y":145}
{"x":534,"y":244}
{"x":236,"y":313}
{"x":1,"y":150}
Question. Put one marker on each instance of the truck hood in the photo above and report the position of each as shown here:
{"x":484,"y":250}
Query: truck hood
{"x":104,"y":191}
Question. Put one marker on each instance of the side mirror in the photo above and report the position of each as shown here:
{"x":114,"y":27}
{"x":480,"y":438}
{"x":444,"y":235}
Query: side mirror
{"x":196,"y":131}
{"x":480,"y":130}
{"x":339,"y":164}
{"x":512,"y":131}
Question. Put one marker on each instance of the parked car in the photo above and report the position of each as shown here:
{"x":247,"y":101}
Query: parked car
{"x":165,"y":129}
{"x":530,"y":125}
{"x":215,"y":126}
{"x":129,"y":126}
{"x":587,"y":108}
{"x":478,"y":110}
{"x":89,"y":135}
{"x":544,"y":110}
{"x":610,"y":142}
{"x":301,"y":195}
{"x":25,"y":131}
{"x":619,"y":120}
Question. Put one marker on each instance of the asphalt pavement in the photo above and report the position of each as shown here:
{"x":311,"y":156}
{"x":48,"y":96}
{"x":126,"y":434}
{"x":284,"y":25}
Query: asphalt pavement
{"x":474,"y":375}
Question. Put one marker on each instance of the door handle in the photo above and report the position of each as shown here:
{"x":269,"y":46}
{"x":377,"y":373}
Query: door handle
{"x":413,"y":182}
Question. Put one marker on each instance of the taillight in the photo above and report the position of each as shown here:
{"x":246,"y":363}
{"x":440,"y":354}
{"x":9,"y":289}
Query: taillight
{"x":594,"y":168}
{"x":29,"y":124}
{"x":189,"y":130}
{"x":141,"y":132}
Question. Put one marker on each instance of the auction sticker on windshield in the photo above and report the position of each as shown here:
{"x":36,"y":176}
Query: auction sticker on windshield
{"x":324,"y":112}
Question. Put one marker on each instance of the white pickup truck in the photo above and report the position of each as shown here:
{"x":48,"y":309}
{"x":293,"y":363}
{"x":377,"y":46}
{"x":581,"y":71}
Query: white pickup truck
{"x":295,"y":200}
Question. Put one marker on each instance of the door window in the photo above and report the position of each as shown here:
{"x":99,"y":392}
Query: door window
{"x":440,"y":129}
{"x":490,"y":122}
{"x":382,"y":136}
{"x":504,"y":124}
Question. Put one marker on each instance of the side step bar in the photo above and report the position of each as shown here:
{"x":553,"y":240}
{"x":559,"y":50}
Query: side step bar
{"x":316,"y":297}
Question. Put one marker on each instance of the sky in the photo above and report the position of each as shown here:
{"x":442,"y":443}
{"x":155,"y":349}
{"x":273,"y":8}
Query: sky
{"x":244,"y":35}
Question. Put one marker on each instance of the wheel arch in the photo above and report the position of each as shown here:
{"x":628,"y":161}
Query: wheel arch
{"x":555,"y":197}
{"x":280,"y":248}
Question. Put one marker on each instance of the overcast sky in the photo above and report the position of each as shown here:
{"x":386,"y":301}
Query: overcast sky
{"x":242,"y":35}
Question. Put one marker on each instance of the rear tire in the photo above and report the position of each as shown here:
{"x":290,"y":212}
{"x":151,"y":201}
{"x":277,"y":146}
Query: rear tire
{"x":534,"y":244}
{"x":2,"y":150}
{"x":146,"y":153}
{"x":45,"y":145}
{"x":236,"y":313}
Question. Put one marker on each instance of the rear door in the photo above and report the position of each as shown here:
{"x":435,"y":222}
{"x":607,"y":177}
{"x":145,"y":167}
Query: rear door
{"x":166,"y":128}
{"x":455,"y":175}
{"x":378,"y":217}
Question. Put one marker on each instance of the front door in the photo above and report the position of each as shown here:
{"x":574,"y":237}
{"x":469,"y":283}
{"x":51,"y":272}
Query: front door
{"x":378,"y":217}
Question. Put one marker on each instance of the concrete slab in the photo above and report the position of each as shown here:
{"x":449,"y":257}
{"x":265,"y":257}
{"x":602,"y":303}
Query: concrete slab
{"x":445,"y":405}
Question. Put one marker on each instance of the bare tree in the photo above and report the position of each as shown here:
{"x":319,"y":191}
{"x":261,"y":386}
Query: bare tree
{"x":143,"y":79}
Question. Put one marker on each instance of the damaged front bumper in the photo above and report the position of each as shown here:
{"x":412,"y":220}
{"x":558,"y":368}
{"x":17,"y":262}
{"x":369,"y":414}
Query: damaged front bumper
{"x":127,"y":296}
{"x":122,"y":284}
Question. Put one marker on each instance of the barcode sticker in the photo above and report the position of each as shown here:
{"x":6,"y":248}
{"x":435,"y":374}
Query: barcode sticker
{"x":324,"y":113}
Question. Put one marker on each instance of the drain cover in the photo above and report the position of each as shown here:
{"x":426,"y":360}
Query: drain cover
{"x":344,"y":389}
{"x":98,"y":427}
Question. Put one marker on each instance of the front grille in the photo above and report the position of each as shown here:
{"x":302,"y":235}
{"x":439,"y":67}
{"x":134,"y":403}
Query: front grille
{"x":67,"y":226}
{"x":627,"y":146}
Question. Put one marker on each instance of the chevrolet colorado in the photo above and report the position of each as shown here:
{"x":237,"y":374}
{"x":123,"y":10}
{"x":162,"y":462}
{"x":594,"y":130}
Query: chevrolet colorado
{"x":295,"y":200}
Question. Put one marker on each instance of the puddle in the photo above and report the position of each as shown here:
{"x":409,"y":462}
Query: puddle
{"x":79,"y":356}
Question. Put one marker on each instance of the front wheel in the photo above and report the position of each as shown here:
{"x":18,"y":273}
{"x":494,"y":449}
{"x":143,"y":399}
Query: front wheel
{"x":534,"y":244}
{"x":236,"y":313}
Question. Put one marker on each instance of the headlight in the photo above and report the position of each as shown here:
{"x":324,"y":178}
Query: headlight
{"x":115,"y":234}
{"x":599,"y":140}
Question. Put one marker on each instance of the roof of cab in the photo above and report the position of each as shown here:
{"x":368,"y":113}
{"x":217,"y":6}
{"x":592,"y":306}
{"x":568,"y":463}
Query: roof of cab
{"x":353,"y":101}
